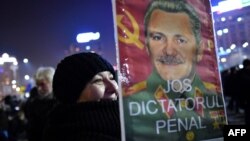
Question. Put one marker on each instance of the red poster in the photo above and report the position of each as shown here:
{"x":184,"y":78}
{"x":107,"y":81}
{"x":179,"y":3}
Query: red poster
{"x":170,"y":82}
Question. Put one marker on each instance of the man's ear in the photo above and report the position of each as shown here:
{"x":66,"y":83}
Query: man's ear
{"x":146,"y":47}
{"x":147,"y":50}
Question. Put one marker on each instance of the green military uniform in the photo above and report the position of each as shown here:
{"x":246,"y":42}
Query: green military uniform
{"x":159,"y":114}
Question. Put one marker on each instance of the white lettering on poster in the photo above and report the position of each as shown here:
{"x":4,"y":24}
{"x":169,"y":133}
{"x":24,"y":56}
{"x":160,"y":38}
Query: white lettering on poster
{"x":137,"y":108}
{"x":177,"y":124}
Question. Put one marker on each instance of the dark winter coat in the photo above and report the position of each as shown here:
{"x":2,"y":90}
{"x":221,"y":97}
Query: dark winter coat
{"x":87,"y":121}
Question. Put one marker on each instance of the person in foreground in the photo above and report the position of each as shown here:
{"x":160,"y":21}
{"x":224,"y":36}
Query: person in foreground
{"x":86,"y":89}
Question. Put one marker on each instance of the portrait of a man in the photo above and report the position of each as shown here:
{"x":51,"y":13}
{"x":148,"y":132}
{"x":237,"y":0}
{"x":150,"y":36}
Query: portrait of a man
{"x":175,"y":103}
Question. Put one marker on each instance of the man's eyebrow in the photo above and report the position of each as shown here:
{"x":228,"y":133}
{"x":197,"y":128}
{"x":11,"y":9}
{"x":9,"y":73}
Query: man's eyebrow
{"x":179,"y":35}
{"x":155,"y":32}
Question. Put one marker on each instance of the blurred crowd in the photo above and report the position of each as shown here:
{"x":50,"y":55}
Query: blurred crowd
{"x":13,"y":122}
{"x":235,"y":83}
{"x":23,"y":119}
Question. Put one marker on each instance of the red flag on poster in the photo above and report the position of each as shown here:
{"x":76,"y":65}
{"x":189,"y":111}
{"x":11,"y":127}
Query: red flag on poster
{"x":170,"y":82}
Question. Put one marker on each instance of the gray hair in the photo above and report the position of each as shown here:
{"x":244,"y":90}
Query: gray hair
{"x":46,"y":73}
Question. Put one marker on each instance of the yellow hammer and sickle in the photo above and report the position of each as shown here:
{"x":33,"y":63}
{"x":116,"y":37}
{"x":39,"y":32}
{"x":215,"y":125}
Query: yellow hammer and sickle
{"x":210,"y":44}
{"x":132,"y":38}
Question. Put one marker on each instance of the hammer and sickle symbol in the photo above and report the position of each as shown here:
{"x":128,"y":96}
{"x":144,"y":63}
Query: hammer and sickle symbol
{"x":130,"y":38}
{"x":210,"y":44}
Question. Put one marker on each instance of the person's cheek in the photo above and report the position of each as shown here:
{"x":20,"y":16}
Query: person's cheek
{"x":99,"y":92}
{"x":102,"y":92}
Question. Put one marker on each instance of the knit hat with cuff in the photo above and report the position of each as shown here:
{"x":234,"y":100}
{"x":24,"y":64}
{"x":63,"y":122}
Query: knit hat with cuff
{"x":74,"y":72}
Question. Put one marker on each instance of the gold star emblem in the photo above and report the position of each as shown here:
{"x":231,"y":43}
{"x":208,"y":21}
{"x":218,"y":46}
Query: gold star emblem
{"x":184,"y":103}
{"x":159,"y":92}
{"x":190,"y":135}
{"x":216,"y":125}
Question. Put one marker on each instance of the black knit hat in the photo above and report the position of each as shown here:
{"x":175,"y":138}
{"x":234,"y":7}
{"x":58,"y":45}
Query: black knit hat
{"x":74,"y":72}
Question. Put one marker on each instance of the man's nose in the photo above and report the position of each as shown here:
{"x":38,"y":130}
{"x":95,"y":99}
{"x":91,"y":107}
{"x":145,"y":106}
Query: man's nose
{"x":39,"y":87}
{"x":169,"y":48}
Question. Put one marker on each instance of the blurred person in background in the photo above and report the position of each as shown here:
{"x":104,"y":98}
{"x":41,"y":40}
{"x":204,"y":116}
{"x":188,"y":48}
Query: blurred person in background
{"x":40,"y":103}
{"x":231,"y":90}
{"x":3,"y":121}
{"x":86,"y":89}
{"x":243,"y":89}
{"x":3,"y":125}
{"x":16,"y":122}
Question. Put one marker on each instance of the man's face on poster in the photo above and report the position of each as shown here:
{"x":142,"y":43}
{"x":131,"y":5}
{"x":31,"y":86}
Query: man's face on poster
{"x":171,"y":44}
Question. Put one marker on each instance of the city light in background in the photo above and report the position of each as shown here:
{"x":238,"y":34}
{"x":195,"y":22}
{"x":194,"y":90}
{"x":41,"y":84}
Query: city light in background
{"x":229,"y":5}
{"x":86,"y":37}
{"x":8,"y":76}
{"x":12,"y":80}
{"x":83,"y":39}
{"x":232,"y":32}
{"x":7,"y":59}
{"x":25,"y":60}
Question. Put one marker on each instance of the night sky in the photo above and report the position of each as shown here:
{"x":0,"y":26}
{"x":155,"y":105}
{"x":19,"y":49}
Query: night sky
{"x":42,"y":30}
